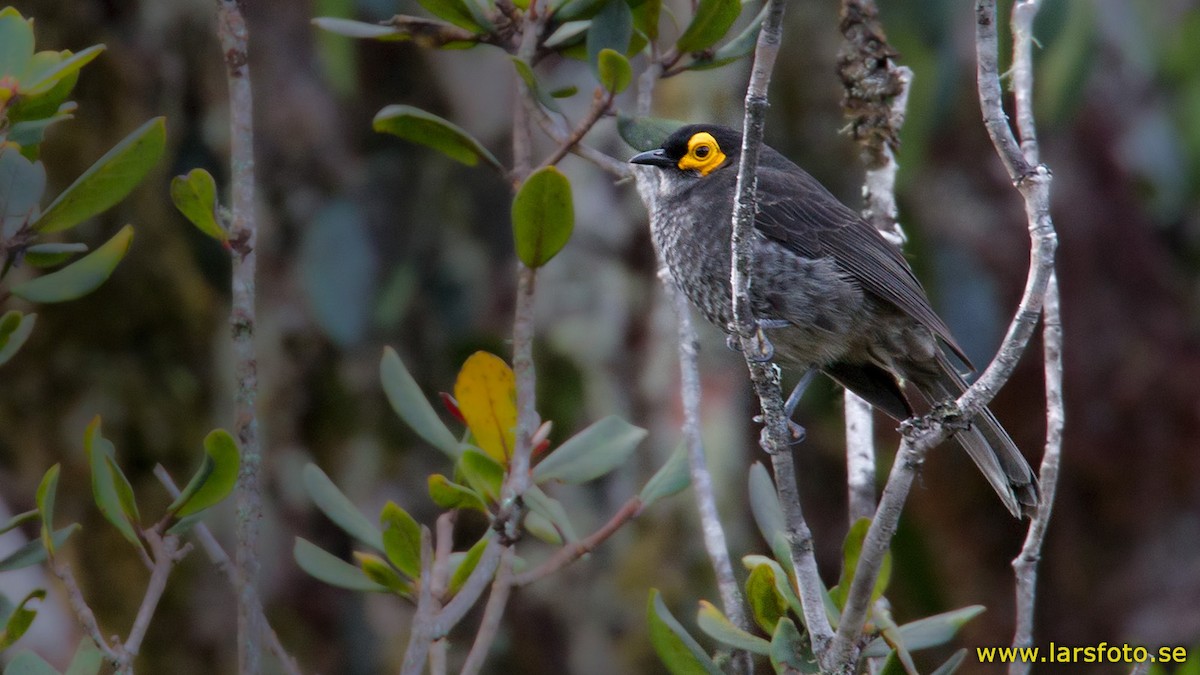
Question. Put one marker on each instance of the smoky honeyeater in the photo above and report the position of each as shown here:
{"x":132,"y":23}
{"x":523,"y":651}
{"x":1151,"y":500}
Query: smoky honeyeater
{"x":829,"y":291}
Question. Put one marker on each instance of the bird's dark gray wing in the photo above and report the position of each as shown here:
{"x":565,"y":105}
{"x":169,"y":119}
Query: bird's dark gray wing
{"x":798,"y":212}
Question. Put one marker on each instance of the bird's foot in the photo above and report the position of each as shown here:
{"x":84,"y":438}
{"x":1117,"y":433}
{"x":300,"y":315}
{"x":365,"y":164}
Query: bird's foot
{"x":793,"y":399}
{"x":761,"y":350}
{"x":796,"y":433}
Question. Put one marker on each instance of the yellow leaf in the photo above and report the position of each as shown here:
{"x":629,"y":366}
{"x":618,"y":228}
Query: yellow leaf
{"x":487,"y":396}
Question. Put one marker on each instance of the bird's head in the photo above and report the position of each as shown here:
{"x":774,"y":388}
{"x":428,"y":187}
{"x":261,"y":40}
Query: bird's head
{"x":695,"y":150}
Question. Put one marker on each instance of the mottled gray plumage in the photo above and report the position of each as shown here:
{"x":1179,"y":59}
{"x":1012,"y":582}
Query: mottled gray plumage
{"x":848,"y":299}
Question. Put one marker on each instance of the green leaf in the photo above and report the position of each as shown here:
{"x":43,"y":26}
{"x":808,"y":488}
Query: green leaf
{"x":851,"y":552}
{"x":482,"y":473}
{"x":30,"y":133}
{"x":16,"y":42}
{"x":671,"y":478}
{"x":717,"y":626}
{"x":186,"y":523}
{"x":455,"y":11}
{"x":543,"y":216}
{"x":790,"y":650}
{"x":46,"y":492}
{"x":568,"y":34}
{"x":108,"y":181}
{"x":105,"y":492}
{"x":50,"y":102}
{"x":928,"y":632}
{"x":469,"y":562}
{"x":645,"y":18}
{"x":576,"y":10}
{"x":591,"y":453}
{"x":411,"y":405}
{"x":767,"y":605}
{"x":359,"y":29}
{"x":321,"y":564}
{"x":768,"y":512}
{"x":712,"y":21}
{"x":215,"y":478}
{"x":531,"y":82}
{"x":552,"y":510}
{"x":20,"y":519}
{"x":124,"y":492}
{"x":338,"y":508}
{"x":645,"y":133}
{"x":678,"y":650}
{"x":376,"y":569}
{"x":783,"y":582}
{"x":450,"y":495}
{"x":195,"y":195}
{"x":541,"y":527}
{"x":15,"y":328}
{"x":418,"y":126}
{"x":611,"y":28}
{"x":28,"y":663}
{"x":43,"y":80}
{"x":565,"y":92}
{"x":739,"y":47}
{"x":401,"y":539}
{"x":80,"y":277}
{"x":53,"y":254}
{"x":24,"y":182}
{"x":34,"y":552}
{"x":614,"y":70}
{"x":20,"y":619}
{"x":87,"y":660}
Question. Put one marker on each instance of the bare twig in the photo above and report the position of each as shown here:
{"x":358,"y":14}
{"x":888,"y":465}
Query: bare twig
{"x":469,"y":593}
{"x":166,"y":552}
{"x":601,"y":101}
{"x":492,"y":613}
{"x":1025,"y":564}
{"x":83,"y":613}
{"x":1033,"y":181}
{"x":421,"y":636}
{"x":776,"y":434}
{"x":576,"y":550}
{"x":217,"y":555}
{"x":231,"y":30}
{"x":557,"y":130}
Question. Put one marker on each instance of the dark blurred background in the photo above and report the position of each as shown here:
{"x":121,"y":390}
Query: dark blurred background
{"x":368,"y":241}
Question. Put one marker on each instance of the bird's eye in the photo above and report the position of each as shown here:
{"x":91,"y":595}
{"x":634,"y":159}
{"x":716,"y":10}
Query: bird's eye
{"x":701,"y":151}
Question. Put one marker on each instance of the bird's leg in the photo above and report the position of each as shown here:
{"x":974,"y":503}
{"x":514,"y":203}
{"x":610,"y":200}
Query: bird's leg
{"x":797,"y":432}
{"x":763,"y":349}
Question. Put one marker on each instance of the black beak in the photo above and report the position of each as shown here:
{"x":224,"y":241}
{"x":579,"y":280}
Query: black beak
{"x":656,"y":157}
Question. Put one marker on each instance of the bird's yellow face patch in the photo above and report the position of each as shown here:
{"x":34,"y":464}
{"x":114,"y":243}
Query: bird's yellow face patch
{"x":703,"y":155}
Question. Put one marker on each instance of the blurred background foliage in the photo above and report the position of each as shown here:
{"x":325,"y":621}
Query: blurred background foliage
{"x":368,"y":241}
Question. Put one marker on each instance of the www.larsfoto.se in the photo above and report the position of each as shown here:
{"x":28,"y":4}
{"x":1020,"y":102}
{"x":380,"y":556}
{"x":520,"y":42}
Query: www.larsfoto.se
{"x":1101,"y":653}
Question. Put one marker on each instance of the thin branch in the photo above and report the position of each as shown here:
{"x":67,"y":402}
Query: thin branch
{"x":860,"y":457}
{"x":231,"y":30}
{"x":576,"y":550}
{"x":421,"y":635}
{"x":557,"y":130}
{"x":776,"y":434}
{"x":83,"y":613}
{"x":217,"y":555}
{"x":1033,"y":181}
{"x":493,"y":612}
{"x":469,"y":593}
{"x":166,"y":552}
{"x":601,"y":101}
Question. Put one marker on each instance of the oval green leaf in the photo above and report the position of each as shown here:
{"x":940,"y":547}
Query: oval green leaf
{"x":53,"y":254}
{"x":321,"y":564}
{"x":20,"y":519}
{"x":712,"y":21}
{"x":591,"y":453}
{"x":789,"y":651}
{"x":678,"y":650}
{"x":783,"y":583}
{"x":535,"y":88}
{"x":15,"y":328}
{"x":717,"y":626}
{"x":113,"y":501}
{"x":482,"y":473}
{"x":764,"y":503}
{"x":215,"y":478}
{"x":671,"y":478}
{"x":46,"y":492}
{"x":34,"y":552}
{"x":851,"y":552}
{"x":614,"y":70}
{"x":739,"y":47}
{"x":43,"y":80}
{"x":80,"y":277}
{"x":450,"y":495}
{"x":541,"y":528}
{"x":376,"y":569}
{"x":418,"y":126}
{"x":358,"y":29}
{"x":611,"y":28}
{"x":24,"y":182}
{"x":468,"y":564}
{"x":552,"y":510}
{"x":543,"y":216}
{"x":20,"y":619}
{"x":195,"y":195}
{"x":767,"y":605}
{"x":928,"y":632}
{"x":337,"y":507}
{"x":401,"y":539}
{"x":455,"y":11}
{"x":16,"y":42}
{"x":107,"y":181}
{"x":410,"y":404}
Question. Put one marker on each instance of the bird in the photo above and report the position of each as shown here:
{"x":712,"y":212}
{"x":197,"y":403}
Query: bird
{"x":828,"y":290}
